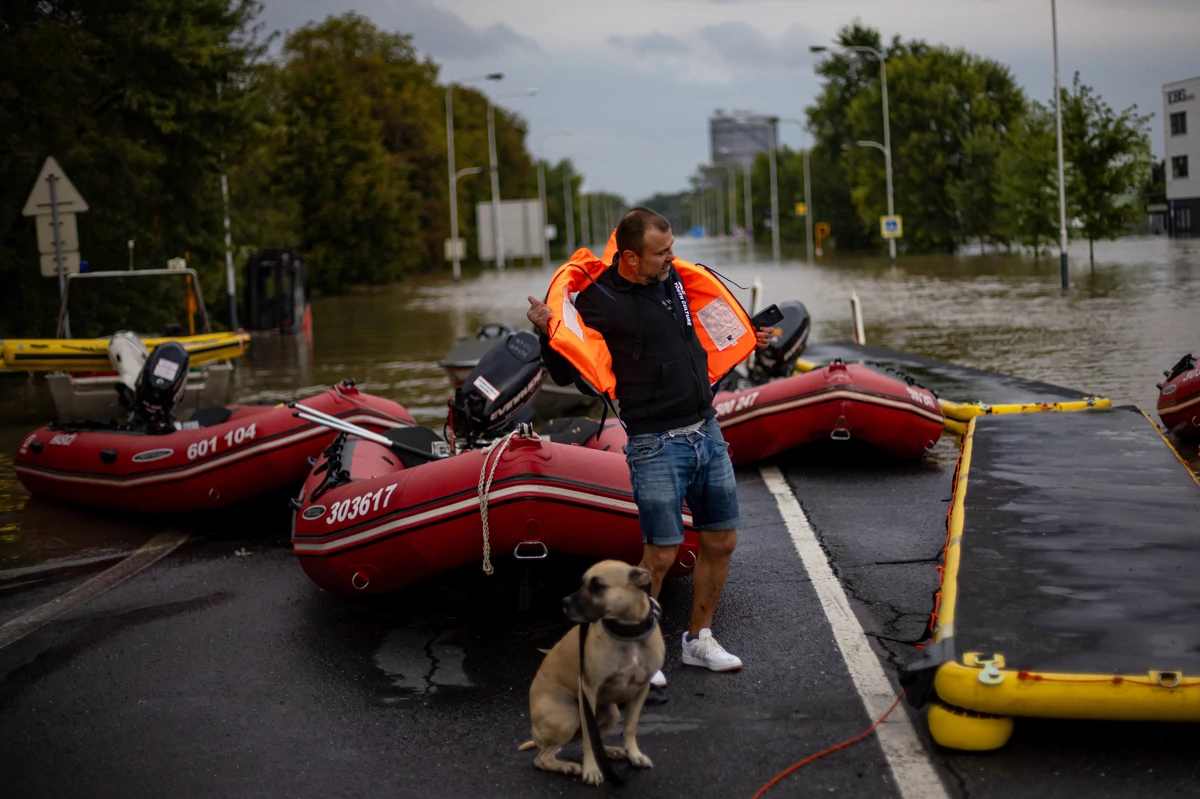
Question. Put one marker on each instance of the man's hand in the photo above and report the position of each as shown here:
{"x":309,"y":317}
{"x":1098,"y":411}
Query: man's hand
{"x":539,"y":314}
{"x":763,"y":336}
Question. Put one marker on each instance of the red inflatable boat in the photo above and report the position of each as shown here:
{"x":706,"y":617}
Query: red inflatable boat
{"x":840,"y":401}
{"x":368,"y":522}
{"x":222,"y":456}
{"x":382,"y":512}
{"x":1179,"y":399}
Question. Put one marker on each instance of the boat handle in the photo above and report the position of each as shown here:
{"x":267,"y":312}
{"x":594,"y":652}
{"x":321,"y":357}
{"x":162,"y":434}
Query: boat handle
{"x":539,"y":556}
{"x":688,"y":565}
{"x":840,"y":434}
{"x":355,"y":578}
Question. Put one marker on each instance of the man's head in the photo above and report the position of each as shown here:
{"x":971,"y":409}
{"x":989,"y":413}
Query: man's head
{"x":644,"y":246}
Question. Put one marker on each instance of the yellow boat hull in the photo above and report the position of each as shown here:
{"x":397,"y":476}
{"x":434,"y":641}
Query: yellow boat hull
{"x":91,"y":354}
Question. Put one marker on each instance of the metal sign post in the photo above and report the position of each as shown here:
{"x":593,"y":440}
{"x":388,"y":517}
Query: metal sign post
{"x":54,"y":196}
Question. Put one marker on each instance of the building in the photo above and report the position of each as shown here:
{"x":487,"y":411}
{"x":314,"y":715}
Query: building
{"x":739,"y":137}
{"x":1181,"y":128}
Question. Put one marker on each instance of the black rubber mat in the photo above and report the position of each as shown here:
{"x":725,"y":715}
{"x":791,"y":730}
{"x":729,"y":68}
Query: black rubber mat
{"x":1080,"y":547}
{"x":948,"y":380}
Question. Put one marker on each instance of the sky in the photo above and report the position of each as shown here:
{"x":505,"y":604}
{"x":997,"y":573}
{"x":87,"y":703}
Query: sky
{"x":637,"y":80}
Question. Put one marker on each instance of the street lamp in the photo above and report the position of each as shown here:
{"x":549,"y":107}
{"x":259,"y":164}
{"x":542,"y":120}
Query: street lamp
{"x":733,"y":192}
{"x":497,"y":235}
{"x":747,"y":206}
{"x":887,"y":131}
{"x":542,"y":187}
{"x":808,"y":212}
{"x":450,"y":157}
{"x":719,"y":202}
{"x":471,"y":170}
{"x":1062,"y":186}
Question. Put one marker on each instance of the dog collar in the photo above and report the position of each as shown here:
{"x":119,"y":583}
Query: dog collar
{"x":633,"y":633}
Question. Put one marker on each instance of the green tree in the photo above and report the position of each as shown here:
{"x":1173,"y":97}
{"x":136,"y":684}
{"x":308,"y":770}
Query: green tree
{"x":1027,"y":182}
{"x":940,"y":99}
{"x":361,"y":215}
{"x":1110,"y":162}
{"x":847,"y":75}
{"x":973,"y":192}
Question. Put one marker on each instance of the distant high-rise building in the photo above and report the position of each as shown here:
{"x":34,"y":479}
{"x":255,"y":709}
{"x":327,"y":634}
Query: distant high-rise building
{"x":1181,"y":115}
{"x":739,"y":136}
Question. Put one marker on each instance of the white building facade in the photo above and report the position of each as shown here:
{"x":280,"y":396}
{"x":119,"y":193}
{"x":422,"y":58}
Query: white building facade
{"x":1181,"y":128}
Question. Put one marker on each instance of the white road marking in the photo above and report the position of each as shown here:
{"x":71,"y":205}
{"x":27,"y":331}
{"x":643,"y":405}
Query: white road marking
{"x":145,"y":556}
{"x":905,"y":754}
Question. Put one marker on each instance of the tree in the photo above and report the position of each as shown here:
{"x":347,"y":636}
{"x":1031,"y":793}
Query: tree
{"x":1110,"y":162}
{"x":940,"y":99}
{"x":1027,"y":182}
{"x":847,"y":75}
{"x":360,"y":214}
{"x":973,"y":191}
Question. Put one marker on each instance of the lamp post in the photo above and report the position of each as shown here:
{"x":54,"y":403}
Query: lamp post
{"x":585,"y":219}
{"x":542,"y":188}
{"x":497,"y":235}
{"x":450,"y":158}
{"x":570,"y":209}
{"x":1062,"y":185}
{"x":808,"y":211}
{"x":774,"y":197}
{"x":471,"y":170}
{"x":731,"y":170}
{"x":887,"y":158}
{"x":887,"y":130}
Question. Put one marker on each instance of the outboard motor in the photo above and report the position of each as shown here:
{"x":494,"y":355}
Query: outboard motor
{"x":791,"y":334}
{"x":500,"y":388}
{"x":159,"y":386}
{"x":128,"y":355}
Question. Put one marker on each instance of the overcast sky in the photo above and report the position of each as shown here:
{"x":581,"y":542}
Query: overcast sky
{"x":638,"y":79}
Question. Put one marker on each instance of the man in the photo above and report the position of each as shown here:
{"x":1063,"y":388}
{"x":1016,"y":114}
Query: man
{"x":638,"y":310}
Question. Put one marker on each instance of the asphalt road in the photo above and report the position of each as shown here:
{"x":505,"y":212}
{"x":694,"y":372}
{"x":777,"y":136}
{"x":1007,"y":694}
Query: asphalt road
{"x":222,"y":671}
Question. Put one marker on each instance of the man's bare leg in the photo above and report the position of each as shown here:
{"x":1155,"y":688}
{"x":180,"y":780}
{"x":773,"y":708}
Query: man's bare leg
{"x":708,"y":578}
{"x":658,"y":561}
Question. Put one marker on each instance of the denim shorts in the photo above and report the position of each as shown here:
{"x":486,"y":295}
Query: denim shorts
{"x":668,"y":468}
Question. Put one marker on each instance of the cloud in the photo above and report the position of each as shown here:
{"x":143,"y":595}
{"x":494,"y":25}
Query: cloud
{"x":655,"y":41}
{"x":444,"y":34}
{"x":743,"y":46}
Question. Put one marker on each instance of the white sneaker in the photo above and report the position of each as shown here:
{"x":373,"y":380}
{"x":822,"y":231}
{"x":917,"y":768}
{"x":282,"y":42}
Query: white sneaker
{"x":658,"y":679}
{"x":705,"y":651}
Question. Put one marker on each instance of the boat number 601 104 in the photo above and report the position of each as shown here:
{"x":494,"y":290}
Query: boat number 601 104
{"x":350,"y":509}
{"x":208,"y":446}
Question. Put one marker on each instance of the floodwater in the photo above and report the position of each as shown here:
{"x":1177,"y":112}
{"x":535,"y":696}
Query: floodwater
{"x":1120,"y":324}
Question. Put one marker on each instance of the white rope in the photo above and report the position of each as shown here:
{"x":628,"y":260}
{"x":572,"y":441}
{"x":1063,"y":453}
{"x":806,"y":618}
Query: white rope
{"x":499,"y":445}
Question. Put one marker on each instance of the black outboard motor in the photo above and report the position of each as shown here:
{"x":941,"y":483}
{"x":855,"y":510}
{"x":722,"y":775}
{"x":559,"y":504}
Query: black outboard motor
{"x":159,"y":386}
{"x":500,"y":388}
{"x":779,"y":358}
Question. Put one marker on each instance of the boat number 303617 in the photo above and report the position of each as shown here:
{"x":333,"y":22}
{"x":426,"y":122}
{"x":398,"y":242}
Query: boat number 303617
{"x":208,"y":446}
{"x":349,"y":509}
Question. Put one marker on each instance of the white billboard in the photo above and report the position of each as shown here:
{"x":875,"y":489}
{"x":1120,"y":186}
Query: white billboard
{"x":521,"y":224}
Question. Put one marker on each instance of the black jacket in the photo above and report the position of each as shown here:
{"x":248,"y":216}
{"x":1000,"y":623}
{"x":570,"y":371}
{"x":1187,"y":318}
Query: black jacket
{"x":659,"y":364}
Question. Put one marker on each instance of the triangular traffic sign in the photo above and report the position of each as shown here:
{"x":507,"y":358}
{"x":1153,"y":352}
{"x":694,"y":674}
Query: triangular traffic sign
{"x":66,"y":196}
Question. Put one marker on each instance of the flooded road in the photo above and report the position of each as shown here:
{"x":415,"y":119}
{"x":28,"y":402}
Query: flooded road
{"x":1112,"y":333}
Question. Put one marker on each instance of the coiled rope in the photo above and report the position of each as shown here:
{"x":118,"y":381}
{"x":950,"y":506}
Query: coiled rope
{"x":485,"y":485}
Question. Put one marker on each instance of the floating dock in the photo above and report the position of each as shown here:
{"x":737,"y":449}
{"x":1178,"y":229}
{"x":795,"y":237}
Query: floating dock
{"x":1070,"y":581}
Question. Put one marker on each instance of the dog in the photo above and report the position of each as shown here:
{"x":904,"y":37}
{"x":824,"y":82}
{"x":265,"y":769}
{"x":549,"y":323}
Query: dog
{"x":624,"y":647}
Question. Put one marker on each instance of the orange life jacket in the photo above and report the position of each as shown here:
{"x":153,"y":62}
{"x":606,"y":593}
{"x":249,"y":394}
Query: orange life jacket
{"x":721,"y":324}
